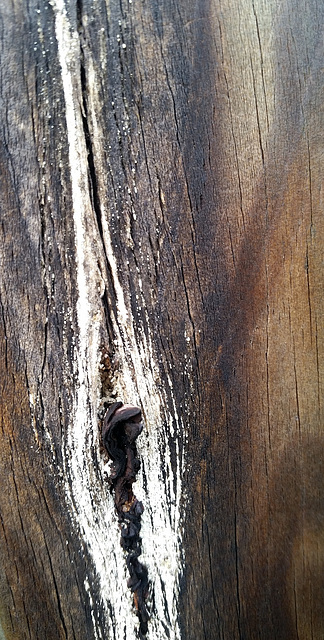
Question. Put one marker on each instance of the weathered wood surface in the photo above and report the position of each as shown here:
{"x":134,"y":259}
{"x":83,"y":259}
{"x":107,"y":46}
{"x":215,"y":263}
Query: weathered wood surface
{"x":162,"y":242}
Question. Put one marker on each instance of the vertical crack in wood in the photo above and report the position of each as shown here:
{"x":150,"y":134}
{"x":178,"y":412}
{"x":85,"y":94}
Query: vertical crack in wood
{"x":93,"y":185}
{"x":122,"y":425}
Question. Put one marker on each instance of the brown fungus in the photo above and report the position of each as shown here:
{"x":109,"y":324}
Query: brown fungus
{"x":122,"y":424}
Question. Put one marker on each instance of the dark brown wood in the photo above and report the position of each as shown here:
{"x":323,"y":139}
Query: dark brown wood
{"x":162,"y":244}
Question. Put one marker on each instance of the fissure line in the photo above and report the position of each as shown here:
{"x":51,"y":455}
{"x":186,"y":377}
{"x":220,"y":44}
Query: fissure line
{"x":122,"y":425}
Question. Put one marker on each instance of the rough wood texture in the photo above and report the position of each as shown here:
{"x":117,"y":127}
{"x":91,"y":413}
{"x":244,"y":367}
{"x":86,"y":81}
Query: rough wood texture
{"x":162,"y":243}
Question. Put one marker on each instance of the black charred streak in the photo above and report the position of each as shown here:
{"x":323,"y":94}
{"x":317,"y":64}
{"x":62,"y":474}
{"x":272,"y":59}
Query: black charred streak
{"x":122,"y":424}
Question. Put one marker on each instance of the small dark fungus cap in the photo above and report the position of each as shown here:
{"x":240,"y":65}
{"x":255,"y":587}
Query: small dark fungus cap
{"x":116,"y":415}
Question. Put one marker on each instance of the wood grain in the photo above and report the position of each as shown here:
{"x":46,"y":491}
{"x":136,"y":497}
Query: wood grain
{"x":162,"y":243}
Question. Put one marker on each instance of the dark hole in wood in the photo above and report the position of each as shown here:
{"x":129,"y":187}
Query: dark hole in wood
{"x":122,"y":424}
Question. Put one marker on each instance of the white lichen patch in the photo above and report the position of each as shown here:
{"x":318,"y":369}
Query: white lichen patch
{"x":96,"y":524}
{"x":88,"y":497}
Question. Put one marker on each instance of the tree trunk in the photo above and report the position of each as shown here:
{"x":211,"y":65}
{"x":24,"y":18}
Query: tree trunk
{"x":162,"y":245}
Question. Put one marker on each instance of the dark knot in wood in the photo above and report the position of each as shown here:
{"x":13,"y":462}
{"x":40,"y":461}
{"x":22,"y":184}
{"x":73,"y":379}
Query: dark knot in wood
{"x":122,"y":424}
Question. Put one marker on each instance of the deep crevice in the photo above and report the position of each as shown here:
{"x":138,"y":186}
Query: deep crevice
{"x":122,"y":425}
